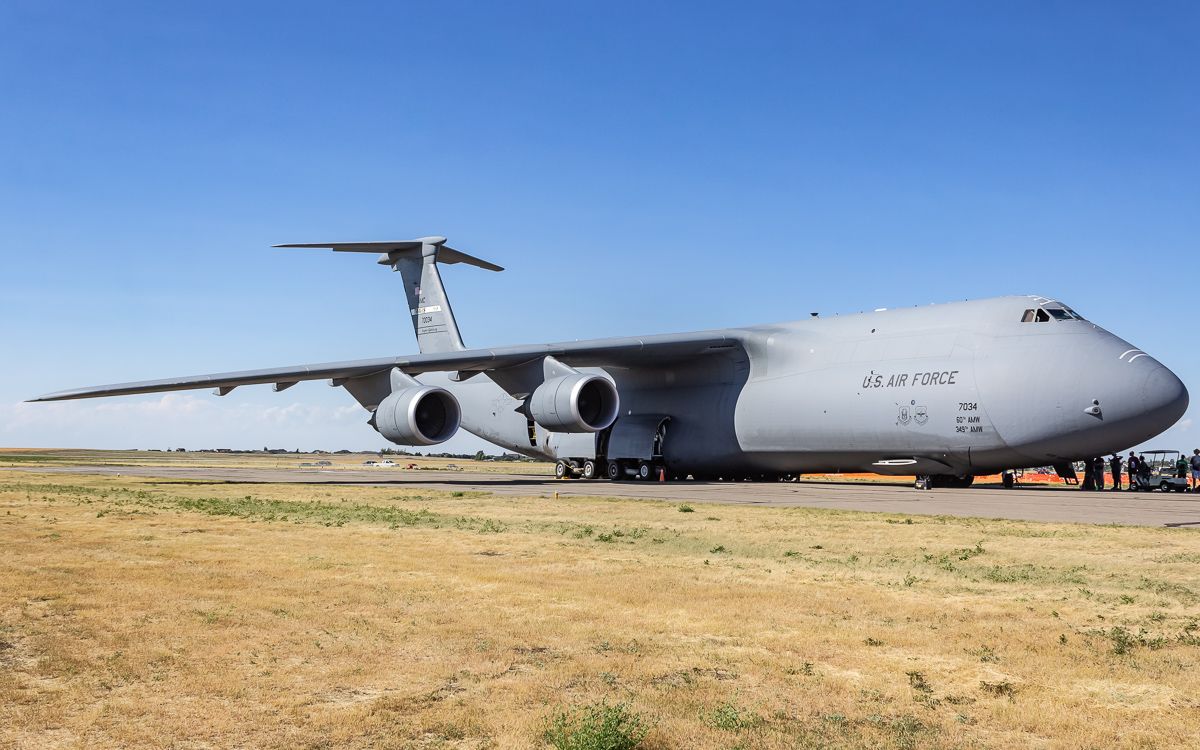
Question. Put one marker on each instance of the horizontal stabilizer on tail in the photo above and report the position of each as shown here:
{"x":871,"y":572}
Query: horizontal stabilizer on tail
{"x":391,"y":250}
{"x":417,"y":261}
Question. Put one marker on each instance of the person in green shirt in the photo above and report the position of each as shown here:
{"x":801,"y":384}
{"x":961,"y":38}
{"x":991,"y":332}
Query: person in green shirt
{"x":1181,"y":467}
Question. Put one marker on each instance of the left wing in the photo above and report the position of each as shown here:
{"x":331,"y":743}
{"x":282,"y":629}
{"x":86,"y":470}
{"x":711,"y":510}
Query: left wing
{"x":614,"y":352}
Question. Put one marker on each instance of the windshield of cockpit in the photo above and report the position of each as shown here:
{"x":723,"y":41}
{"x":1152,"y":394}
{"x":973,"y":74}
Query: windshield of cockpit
{"x":1048,"y":311}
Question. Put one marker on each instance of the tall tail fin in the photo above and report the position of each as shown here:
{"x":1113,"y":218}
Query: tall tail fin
{"x":417,"y":261}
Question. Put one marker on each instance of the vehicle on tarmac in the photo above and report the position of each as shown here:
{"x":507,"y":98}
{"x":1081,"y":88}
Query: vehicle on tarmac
{"x":1161,"y":474}
{"x":944,"y":392}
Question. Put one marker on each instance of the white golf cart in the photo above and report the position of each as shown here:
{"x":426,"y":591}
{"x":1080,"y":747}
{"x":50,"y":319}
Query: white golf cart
{"x":1160,"y":472}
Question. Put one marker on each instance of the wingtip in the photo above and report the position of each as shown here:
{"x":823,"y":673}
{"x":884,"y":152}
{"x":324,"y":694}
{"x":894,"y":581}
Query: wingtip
{"x":56,"y":396}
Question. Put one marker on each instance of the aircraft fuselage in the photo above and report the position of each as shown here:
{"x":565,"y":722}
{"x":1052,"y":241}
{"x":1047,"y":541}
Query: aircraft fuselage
{"x":961,"y":388}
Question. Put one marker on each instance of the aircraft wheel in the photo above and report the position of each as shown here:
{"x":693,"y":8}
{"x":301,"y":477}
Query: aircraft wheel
{"x":614,"y":470}
{"x":589,"y":469}
{"x":562,"y":470}
{"x":645,"y":471}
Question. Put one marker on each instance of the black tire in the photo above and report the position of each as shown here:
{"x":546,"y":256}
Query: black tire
{"x":614,"y":470}
{"x":589,"y":469}
{"x":645,"y":471}
{"x":1164,"y":487}
{"x":562,"y":469}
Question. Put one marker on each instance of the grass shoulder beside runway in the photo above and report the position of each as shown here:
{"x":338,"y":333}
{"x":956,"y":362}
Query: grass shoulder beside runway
{"x":33,"y":457}
{"x":149,"y":613}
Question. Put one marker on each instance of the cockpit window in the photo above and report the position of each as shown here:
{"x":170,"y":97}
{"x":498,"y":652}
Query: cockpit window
{"x":1046,"y":314}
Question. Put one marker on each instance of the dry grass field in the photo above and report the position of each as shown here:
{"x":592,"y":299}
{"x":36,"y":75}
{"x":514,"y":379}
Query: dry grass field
{"x":145,"y":613}
{"x":338,"y":462}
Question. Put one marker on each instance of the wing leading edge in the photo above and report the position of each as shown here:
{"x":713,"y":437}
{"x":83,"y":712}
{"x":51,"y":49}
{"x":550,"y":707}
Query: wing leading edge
{"x":615,"y":352}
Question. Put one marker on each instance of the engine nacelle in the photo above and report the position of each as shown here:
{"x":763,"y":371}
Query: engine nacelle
{"x":579,"y":402}
{"x":420,"y":415}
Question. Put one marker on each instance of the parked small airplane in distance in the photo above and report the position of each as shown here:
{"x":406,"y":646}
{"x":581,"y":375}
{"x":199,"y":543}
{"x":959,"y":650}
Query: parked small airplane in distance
{"x":944,"y":392}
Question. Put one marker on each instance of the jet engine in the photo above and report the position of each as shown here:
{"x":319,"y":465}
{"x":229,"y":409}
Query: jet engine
{"x":578,"y":402}
{"x":418,"y":415}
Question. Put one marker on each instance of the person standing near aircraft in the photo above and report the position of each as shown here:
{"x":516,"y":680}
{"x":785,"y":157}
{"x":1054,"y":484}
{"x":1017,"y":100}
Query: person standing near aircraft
{"x":1196,"y":470}
{"x":1114,"y":465}
{"x":1098,"y":467}
{"x":1089,"y":475}
{"x":1132,"y":467}
{"x":1181,"y":468}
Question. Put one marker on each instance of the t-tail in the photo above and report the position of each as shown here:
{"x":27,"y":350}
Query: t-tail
{"x":417,"y":261}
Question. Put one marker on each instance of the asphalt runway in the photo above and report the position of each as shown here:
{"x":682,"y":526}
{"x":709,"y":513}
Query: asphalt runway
{"x":1177,"y":510}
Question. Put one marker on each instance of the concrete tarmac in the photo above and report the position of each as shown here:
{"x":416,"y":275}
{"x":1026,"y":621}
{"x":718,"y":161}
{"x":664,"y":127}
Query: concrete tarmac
{"x":1177,"y":510}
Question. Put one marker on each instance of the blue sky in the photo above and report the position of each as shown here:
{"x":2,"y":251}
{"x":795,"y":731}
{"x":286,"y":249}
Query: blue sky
{"x":637,"y":167}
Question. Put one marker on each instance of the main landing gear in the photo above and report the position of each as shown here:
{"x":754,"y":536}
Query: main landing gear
{"x":644,"y":471}
{"x":943,"y":481}
{"x":588,"y":468}
{"x":563,"y":470}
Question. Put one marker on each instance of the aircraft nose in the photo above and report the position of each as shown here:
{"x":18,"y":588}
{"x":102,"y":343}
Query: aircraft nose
{"x":1164,"y":397}
{"x":1097,"y":395}
{"x":1142,"y":399}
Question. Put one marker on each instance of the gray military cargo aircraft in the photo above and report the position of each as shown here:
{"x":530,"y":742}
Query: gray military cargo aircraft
{"x":944,"y":392}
